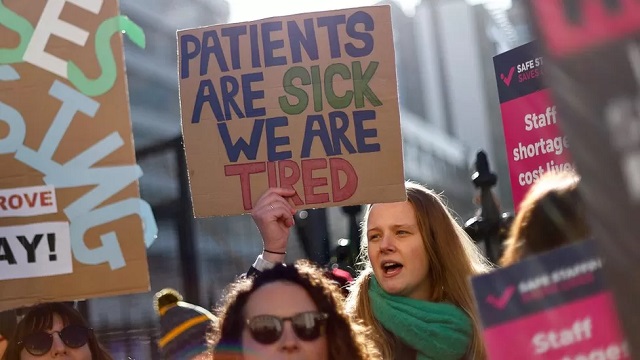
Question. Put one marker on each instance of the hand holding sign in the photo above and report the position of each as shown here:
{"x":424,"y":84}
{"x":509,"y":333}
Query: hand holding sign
{"x":273,"y":214}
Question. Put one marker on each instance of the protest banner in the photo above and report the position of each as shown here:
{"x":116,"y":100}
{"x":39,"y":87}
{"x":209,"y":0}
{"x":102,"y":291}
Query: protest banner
{"x":72,"y":224}
{"x":535,"y":144}
{"x":307,"y":102}
{"x":552,"y":306}
{"x":592,"y":50}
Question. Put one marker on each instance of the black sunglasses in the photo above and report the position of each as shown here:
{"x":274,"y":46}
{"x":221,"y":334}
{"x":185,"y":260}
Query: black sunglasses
{"x":39,"y":343}
{"x":267,"y":329}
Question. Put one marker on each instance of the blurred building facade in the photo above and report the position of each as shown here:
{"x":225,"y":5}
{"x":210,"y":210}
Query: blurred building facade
{"x":449,"y":110}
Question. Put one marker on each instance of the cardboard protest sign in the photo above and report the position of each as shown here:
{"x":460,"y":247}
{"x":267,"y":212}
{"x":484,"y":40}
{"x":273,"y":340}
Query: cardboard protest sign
{"x":306,"y":101}
{"x":553,"y":306}
{"x":72,"y":225}
{"x":592,"y":52}
{"x":534,"y":141}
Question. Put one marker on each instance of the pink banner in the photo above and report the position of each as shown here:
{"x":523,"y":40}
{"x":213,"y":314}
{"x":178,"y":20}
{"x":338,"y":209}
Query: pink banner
{"x":535,"y":144}
{"x":583,"y":330}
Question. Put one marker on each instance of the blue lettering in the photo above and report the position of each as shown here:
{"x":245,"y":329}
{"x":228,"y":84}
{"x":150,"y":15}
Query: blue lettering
{"x":338,"y":132}
{"x":11,"y":116}
{"x":250,"y":149}
{"x":186,"y":55}
{"x":233,"y":33}
{"x":78,"y":172}
{"x":215,"y":48}
{"x":249,"y":95}
{"x":269,"y":45}
{"x":110,"y":250}
{"x":274,"y":141}
{"x":364,"y":18}
{"x":359,"y":117}
{"x":228,"y":96}
{"x":331,"y":23}
{"x":255,"y":48}
{"x":310,"y":133}
{"x":297,"y":38}
{"x":206,"y":94}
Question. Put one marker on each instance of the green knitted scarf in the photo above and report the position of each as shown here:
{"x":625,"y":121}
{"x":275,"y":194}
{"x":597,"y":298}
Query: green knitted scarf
{"x":435,"y":330}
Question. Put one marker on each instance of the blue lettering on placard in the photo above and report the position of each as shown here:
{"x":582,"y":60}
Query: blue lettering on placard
{"x":298,"y":40}
{"x":233,"y":33}
{"x":83,"y":213}
{"x":310,"y":134}
{"x":10,"y":116}
{"x":110,"y":250}
{"x":338,"y":132}
{"x":250,"y":149}
{"x":269,"y":45}
{"x":206,"y":95}
{"x":362,"y":134}
{"x":274,"y":141}
{"x":255,"y":48}
{"x":214,"y":48}
{"x":249,"y":95}
{"x":364,"y":18}
{"x":331,"y":23}
{"x":185,"y":55}
{"x":228,"y":96}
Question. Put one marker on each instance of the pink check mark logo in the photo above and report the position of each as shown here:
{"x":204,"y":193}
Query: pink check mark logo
{"x":503,"y":300}
{"x":507,"y":79}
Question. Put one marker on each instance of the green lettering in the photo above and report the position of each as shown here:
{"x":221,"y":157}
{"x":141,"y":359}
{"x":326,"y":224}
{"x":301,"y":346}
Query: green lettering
{"x":106,"y":80}
{"x":317,"y":88}
{"x":17,"y":23}
{"x":361,"y":84}
{"x":337,"y":102}
{"x":297,"y":72}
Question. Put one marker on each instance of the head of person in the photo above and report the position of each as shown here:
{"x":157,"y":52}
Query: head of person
{"x":416,"y":249}
{"x":183,"y":326}
{"x":292,"y":312}
{"x":54,"y":330}
{"x":551,"y":215}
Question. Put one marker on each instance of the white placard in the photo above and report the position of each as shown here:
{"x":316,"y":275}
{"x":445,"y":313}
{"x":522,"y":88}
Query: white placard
{"x":28,"y":201}
{"x":35,"y":250}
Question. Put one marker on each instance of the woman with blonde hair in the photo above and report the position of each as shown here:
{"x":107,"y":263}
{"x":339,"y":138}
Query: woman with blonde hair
{"x":414,"y":291}
{"x":551,"y":215}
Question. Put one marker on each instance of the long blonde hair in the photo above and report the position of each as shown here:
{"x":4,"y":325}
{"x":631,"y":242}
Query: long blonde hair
{"x":451,"y":263}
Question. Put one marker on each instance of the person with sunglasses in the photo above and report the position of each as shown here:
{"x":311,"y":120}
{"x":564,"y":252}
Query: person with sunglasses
{"x":416,"y":260}
{"x":55,"y":331}
{"x":291,"y":312}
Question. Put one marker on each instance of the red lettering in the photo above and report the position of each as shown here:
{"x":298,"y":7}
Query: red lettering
{"x":310,"y":183}
{"x":288,"y":174}
{"x":46,"y":198}
{"x":15,"y":202}
{"x":245,"y":171}
{"x":569,"y":27}
{"x":287,"y":181}
{"x":271,"y":171}
{"x":31,"y":202}
{"x":337,"y":166}
{"x":3,"y":201}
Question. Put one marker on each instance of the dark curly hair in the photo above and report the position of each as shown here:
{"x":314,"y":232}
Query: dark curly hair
{"x":347,"y":338}
{"x":40,"y":317}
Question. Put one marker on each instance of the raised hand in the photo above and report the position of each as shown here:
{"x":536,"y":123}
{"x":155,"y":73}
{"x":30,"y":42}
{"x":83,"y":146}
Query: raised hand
{"x":273,"y":214}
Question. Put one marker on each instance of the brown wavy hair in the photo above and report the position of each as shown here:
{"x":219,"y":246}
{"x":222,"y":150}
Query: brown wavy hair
{"x":347,"y":339}
{"x":40,"y":318}
{"x":551,"y":215}
{"x":453,"y":258}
